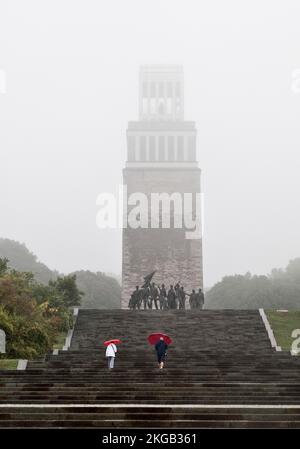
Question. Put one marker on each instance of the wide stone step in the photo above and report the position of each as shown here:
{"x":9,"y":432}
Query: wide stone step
{"x":158,"y":416}
{"x":209,"y":424}
{"x":217,"y":358}
{"x":243,"y":400}
{"x":228,"y":422}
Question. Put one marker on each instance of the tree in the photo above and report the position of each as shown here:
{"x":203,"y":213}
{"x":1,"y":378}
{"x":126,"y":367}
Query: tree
{"x":3,"y":265}
{"x":33,"y":314}
{"x":280,"y":289}
{"x":66,"y":285}
{"x":100,"y":290}
{"x":293,"y":270}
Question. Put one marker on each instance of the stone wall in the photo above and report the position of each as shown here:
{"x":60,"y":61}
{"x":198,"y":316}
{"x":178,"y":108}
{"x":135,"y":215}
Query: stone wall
{"x":166,"y":250}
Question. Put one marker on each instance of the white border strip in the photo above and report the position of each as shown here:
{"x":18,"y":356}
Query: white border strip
{"x":71,"y":331}
{"x":22,"y":364}
{"x":269,"y":330}
{"x":69,"y":336}
{"x":68,"y":340}
{"x":179,"y":406}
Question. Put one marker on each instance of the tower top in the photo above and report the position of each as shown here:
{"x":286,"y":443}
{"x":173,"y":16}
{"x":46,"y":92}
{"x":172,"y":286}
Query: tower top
{"x":161,"y":93}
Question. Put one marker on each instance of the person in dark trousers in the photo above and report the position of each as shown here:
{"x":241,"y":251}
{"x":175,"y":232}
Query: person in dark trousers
{"x":171,"y":298}
{"x":200,"y":299}
{"x":161,"y":352}
{"x":145,"y":296}
{"x":111,"y":351}
{"x":193,"y":300}
{"x":154,"y":296}
{"x":130,"y":303}
{"x":182,"y":296}
{"x":134,"y":300}
{"x":163,"y":297}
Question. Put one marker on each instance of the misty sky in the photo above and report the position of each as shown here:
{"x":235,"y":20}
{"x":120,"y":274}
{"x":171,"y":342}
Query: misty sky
{"x":72,"y":85}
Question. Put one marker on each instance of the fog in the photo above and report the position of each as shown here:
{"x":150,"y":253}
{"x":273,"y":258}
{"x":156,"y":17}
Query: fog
{"x":71,"y":70}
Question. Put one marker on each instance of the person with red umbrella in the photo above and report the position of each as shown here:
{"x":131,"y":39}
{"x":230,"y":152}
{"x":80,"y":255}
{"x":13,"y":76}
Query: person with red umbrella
{"x":110,"y":353}
{"x":161,"y":343}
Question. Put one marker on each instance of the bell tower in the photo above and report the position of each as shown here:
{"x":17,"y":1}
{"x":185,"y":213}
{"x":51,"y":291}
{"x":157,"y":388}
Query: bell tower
{"x":161,"y":159}
{"x":161,"y":93}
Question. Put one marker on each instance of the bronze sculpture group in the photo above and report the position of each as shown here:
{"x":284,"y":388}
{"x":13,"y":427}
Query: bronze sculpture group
{"x":151,"y":296}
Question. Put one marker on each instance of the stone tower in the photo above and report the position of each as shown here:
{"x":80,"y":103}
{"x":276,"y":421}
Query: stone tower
{"x":161,"y":158}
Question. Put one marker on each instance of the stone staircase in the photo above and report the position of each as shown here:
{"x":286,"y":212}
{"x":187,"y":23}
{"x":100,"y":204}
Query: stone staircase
{"x":220,"y":372}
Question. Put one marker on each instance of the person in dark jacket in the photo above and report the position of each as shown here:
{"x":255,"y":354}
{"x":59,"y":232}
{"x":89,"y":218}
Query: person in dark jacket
{"x":200,"y":299}
{"x":154,"y":296}
{"x":182,"y":296}
{"x":161,"y":352}
{"x":171,"y":298}
{"x":163,"y":297}
{"x":193,"y":300}
{"x":145,"y":295}
{"x":134,"y":300}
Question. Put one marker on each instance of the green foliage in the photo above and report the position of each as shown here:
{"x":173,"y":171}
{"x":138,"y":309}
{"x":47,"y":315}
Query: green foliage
{"x":3,"y":266}
{"x":24,"y":338}
{"x":29,"y":339}
{"x":6,"y":323}
{"x":66,"y":286}
{"x":32,"y":314}
{"x":100,"y":291}
{"x":279,"y":290}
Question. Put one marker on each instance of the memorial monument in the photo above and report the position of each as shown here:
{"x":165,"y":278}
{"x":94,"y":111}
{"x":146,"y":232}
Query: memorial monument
{"x":161,"y":160}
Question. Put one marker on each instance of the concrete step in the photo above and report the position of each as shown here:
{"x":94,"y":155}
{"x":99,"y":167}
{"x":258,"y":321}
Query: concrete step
{"x":217,"y":358}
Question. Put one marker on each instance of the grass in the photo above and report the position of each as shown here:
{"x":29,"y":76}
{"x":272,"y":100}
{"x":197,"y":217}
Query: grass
{"x":8,"y":363}
{"x":283,"y":324}
{"x":11,"y":364}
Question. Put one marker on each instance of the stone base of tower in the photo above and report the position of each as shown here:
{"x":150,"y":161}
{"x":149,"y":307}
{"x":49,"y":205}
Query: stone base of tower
{"x":166,"y":251}
{"x":174,"y":257}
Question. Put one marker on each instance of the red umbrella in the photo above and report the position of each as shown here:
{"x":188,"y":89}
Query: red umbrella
{"x":108,"y":342}
{"x":154,"y":338}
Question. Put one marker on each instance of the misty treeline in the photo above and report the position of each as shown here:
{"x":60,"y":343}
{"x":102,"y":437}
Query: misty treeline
{"x":278,"y":290}
{"x":33,"y":314}
{"x":100,"y":290}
